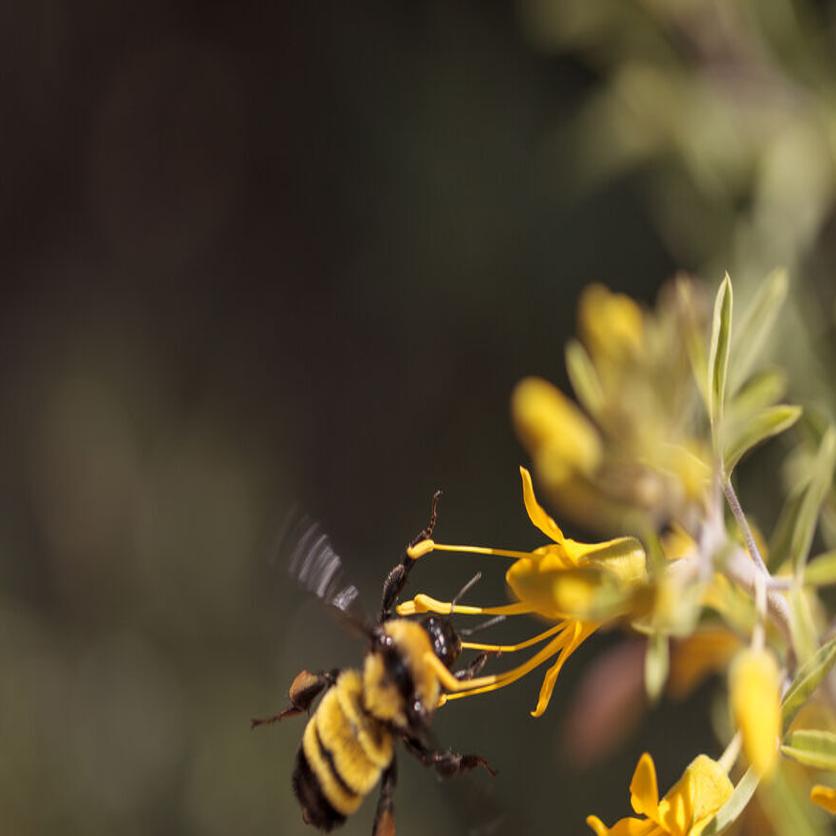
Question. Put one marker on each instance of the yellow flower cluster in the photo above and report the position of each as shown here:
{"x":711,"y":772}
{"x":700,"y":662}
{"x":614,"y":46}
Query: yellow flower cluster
{"x":643,"y":456}
{"x":636,"y":448}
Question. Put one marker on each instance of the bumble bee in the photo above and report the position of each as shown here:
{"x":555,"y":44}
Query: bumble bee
{"x":348,"y":745}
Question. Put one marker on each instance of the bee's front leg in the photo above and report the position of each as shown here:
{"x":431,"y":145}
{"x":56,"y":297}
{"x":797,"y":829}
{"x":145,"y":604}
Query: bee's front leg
{"x":396,"y":579}
{"x":446,"y":763}
{"x":384,"y":819}
{"x":304,"y":689}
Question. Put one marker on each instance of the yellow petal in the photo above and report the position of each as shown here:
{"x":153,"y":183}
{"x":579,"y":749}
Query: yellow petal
{"x":644,"y":790}
{"x":756,"y":706}
{"x":691,"y":803}
{"x":535,"y":511}
{"x":825,"y":797}
{"x":554,"y":430}
{"x":624,"y":827}
{"x":623,"y":557}
{"x":611,"y":324}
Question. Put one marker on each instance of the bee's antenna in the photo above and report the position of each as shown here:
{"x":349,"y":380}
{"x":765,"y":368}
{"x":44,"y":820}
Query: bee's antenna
{"x":469,"y":631}
{"x":467,"y":587}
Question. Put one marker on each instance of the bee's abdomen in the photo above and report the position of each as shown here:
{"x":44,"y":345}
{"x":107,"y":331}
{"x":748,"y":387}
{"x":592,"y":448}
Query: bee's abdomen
{"x":317,"y":810}
{"x":336,"y":766}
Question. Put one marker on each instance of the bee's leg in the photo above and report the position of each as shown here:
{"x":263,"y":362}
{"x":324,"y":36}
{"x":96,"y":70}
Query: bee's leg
{"x":304,"y":689}
{"x":474,"y":668}
{"x":396,"y":579}
{"x":446,"y":763}
{"x":384,"y":819}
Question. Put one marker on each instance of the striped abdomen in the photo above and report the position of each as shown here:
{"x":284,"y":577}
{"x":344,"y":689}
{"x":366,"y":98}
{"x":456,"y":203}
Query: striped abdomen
{"x":343,"y":753}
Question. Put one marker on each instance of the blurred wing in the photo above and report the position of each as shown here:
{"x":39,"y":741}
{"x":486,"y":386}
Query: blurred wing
{"x":317,"y":568}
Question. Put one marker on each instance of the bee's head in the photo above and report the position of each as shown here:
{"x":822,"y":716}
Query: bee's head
{"x":445,"y":640}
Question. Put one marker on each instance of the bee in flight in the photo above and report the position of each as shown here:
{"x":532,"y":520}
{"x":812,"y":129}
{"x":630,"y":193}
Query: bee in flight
{"x":348,"y":745}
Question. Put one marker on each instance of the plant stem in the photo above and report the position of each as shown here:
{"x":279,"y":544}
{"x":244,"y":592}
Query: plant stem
{"x":743,"y":523}
{"x":728,"y":758}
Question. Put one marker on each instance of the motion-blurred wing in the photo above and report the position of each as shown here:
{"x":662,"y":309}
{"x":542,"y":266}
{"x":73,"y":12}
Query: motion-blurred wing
{"x":317,"y":568}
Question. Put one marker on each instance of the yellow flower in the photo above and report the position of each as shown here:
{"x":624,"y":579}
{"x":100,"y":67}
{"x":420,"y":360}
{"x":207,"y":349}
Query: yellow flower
{"x":686,"y":809}
{"x":566,"y":442}
{"x":638,"y":450}
{"x":825,"y":797}
{"x":577,"y":585}
{"x":755,"y":686}
{"x":611,"y":324}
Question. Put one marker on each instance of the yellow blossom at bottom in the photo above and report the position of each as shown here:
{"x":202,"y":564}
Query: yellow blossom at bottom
{"x":825,"y":797}
{"x":686,"y":809}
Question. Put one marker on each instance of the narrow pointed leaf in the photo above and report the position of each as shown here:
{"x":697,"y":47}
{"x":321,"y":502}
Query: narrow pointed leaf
{"x":656,"y":665}
{"x":808,"y":678}
{"x":804,"y":640}
{"x":718,"y":355}
{"x":780,"y":541}
{"x":808,"y":512}
{"x":755,"y":326}
{"x":812,"y":748}
{"x":728,"y":814}
{"x":584,"y":378}
{"x":762,"y":390}
{"x":770,"y":422}
{"x":821,"y":570}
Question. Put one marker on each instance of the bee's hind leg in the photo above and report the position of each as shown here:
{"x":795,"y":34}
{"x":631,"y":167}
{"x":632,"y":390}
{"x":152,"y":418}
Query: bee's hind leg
{"x":304,"y":689}
{"x":396,"y":579}
{"x":446,"y":763}
{"x":384,"y":819}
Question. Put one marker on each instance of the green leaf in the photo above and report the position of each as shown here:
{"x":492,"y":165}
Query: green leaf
{"x":788,"y":809}
{"x":804,"y":637}
{"x":656,"y":663}
{"x":807,"y":679}
{"x":780,"y":542}
{"x":817,"y":489}
{"x":728,"y":814}
{"x":821,"y":570}
{"x":770,"y":422}
{"x":584,"y":378}
{"x":718,"y":355}
{"x":763,"y":389}
{"x":755,"y":326}
{"x":812,"y":748}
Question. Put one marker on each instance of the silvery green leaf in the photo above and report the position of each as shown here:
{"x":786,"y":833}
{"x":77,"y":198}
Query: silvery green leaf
{"x":718,"y":355}
{"x":755,"y":326}
{"x":812,"y":748}
{"x":768,"y":423}
{"x":821,"y":570}
{"x":807,"y":679}
{"x":821,"y":478}
{"x":656,"y":663}
{"x":728,"y":814}
{"x":804,"y":638}
{"x":761,"y":390}
{"x":584,"y":378}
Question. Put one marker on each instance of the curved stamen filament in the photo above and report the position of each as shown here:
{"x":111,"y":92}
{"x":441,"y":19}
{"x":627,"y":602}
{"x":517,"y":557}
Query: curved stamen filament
{"x":485,"y":684}
{"x":442,"y":547}
{"x":513,"y":648}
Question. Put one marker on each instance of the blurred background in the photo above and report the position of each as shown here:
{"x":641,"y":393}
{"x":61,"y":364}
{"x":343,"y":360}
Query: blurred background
{"x":264,"y":255}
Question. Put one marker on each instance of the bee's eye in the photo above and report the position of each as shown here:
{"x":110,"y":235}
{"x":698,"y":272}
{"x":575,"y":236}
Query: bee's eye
{"x":418,"y":708}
